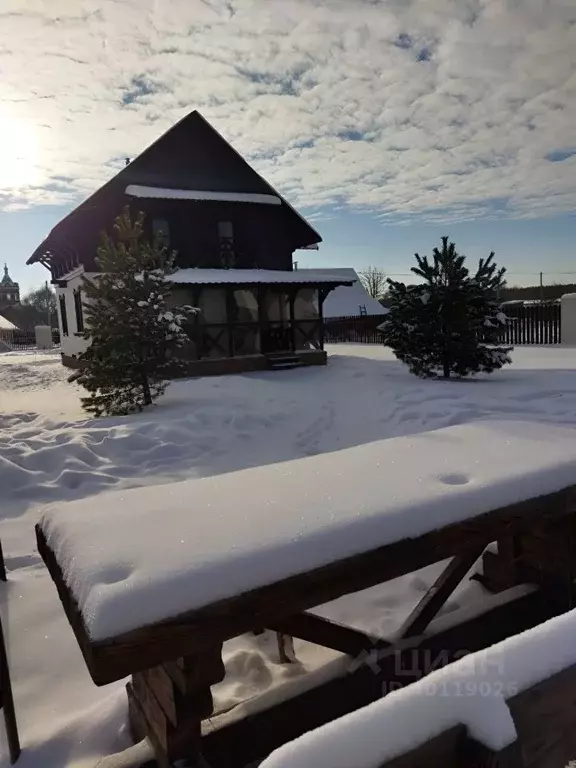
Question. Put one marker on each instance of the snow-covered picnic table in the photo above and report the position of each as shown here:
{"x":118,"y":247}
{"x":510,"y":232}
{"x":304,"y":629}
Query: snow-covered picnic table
{"x":155,"y":574}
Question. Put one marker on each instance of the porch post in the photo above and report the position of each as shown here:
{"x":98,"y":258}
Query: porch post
{"x":229,"y":326}
{"x":292,"y":296}
{"x":322,"y":293}
{"x":262,"y":320}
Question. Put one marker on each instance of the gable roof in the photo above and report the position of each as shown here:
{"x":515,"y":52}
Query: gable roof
{"x":191,"y":155}
{"x":346,"y":301}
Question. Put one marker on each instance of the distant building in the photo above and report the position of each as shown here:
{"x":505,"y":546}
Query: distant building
{"x":9,"y":290}
{"x":348,"y":300}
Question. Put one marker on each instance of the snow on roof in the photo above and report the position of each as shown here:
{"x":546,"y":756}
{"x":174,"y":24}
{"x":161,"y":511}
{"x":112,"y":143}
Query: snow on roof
{"x":251,"y":276}
{"x":349,"y":300}
{"x":472,"y":691}
{"x":6,"y":325}
{"x":182,"y":546}
{"x":138,"y":190}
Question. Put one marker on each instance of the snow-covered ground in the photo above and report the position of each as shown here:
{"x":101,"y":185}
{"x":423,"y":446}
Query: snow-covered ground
{"x":49,"y":451}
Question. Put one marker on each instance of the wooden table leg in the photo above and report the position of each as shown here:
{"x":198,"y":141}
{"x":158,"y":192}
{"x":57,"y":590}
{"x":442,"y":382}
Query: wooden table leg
{"x":169,"y":702}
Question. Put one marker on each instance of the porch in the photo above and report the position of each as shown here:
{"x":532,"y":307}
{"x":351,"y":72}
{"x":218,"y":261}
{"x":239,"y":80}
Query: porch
{"x":252,"y":319}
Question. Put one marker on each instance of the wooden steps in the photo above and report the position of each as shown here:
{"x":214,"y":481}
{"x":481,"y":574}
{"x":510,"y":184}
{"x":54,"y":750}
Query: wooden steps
{"x":280,"y":361}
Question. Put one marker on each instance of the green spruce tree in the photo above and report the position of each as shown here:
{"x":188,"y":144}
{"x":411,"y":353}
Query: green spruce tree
{"x":451,"y":323}
{"x":134,"y":337}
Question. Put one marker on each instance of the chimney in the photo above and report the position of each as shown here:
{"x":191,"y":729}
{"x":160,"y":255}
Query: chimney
{"x":127,"y":161}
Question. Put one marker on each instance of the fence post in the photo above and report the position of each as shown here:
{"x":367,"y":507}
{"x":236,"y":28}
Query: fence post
{"x":568,"y":319}
{"x":43,"y":336}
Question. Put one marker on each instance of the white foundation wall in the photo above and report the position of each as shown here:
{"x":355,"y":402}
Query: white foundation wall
{"x":568,"y":319}
{"x":72,"y":344}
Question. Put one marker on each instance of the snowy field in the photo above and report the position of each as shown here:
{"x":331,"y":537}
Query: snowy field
{"x":49,"y":451}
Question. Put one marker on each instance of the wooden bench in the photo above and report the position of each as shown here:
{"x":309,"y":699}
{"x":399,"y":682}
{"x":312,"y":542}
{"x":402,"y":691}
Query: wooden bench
{"x":523,"y":715}
{"x":175,"y":660}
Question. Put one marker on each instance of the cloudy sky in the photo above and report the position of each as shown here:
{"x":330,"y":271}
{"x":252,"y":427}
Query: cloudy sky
{"x":388,"y":122}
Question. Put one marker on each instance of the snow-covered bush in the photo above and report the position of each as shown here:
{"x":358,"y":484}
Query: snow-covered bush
{"x":451,"y":323}
{"x":134,"y":337}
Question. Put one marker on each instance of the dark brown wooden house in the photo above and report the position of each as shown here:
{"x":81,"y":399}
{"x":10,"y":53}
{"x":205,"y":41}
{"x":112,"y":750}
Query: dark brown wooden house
{"x":235,"y":237}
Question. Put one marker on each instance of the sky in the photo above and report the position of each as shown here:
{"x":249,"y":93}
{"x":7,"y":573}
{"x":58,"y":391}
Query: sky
{"x":388,"y":123}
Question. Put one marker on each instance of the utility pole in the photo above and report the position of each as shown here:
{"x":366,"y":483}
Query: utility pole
{"x":541,"y":287}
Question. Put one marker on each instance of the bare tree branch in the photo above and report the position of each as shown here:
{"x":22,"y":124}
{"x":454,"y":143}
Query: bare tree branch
{"x":374,"y":281}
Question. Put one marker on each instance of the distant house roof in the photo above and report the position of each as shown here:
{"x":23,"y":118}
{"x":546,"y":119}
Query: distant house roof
{"x":348,"y":300}
{"x":7,"y":281}
{"x":256,"y":276}
{"x":190,"y":157}
{"x":6,"y":325}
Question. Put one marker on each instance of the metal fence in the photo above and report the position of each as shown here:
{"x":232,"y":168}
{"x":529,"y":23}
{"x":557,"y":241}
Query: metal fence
{"x":532,"y":324}
{"x":362,"y":329}
{"x":21,"y":340}
{"x":527,"y":324}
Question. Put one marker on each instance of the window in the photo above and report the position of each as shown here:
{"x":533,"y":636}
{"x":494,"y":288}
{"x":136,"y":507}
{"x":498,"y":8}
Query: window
{"x":306,"y":304}
{"x":277,"y":306}
{"x":63,"y":315}
{"x":226,"y":240}
{"x":225,"y":229}
{"x":78,"y":310}
{"x":244,"y":305}
{"x":161,"y":230}
{"x":212,"y":304}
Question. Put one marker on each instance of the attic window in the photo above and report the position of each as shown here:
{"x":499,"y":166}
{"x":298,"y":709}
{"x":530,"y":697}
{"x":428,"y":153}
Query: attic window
{"x":161,"y":230}
{"x":225,"y":229}
{"x":226,"y":240}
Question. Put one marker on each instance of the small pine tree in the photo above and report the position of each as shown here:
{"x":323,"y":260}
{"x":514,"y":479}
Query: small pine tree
{"x":451,"y":323}
{"x":134,"y":337}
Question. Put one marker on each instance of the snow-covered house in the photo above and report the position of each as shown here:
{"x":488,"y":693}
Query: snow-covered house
{"x":235,"y":237}
{"x":348,"y":300}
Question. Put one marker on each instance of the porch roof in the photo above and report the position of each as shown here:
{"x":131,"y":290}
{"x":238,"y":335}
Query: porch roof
{"x":197,"y":276}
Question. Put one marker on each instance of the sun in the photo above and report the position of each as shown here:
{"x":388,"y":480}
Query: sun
{"x":18,"y":152}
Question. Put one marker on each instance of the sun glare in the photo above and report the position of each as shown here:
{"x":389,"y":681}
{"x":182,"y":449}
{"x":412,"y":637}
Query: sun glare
{"x":18,"y":152}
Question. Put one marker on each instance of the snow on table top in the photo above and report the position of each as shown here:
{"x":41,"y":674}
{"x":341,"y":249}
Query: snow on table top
{"x":136,"y":557}
{"x":471,"y":692}
{"x":200,"y":276}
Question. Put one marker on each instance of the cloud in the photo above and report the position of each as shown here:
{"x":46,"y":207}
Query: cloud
{"x":444,"y":109}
